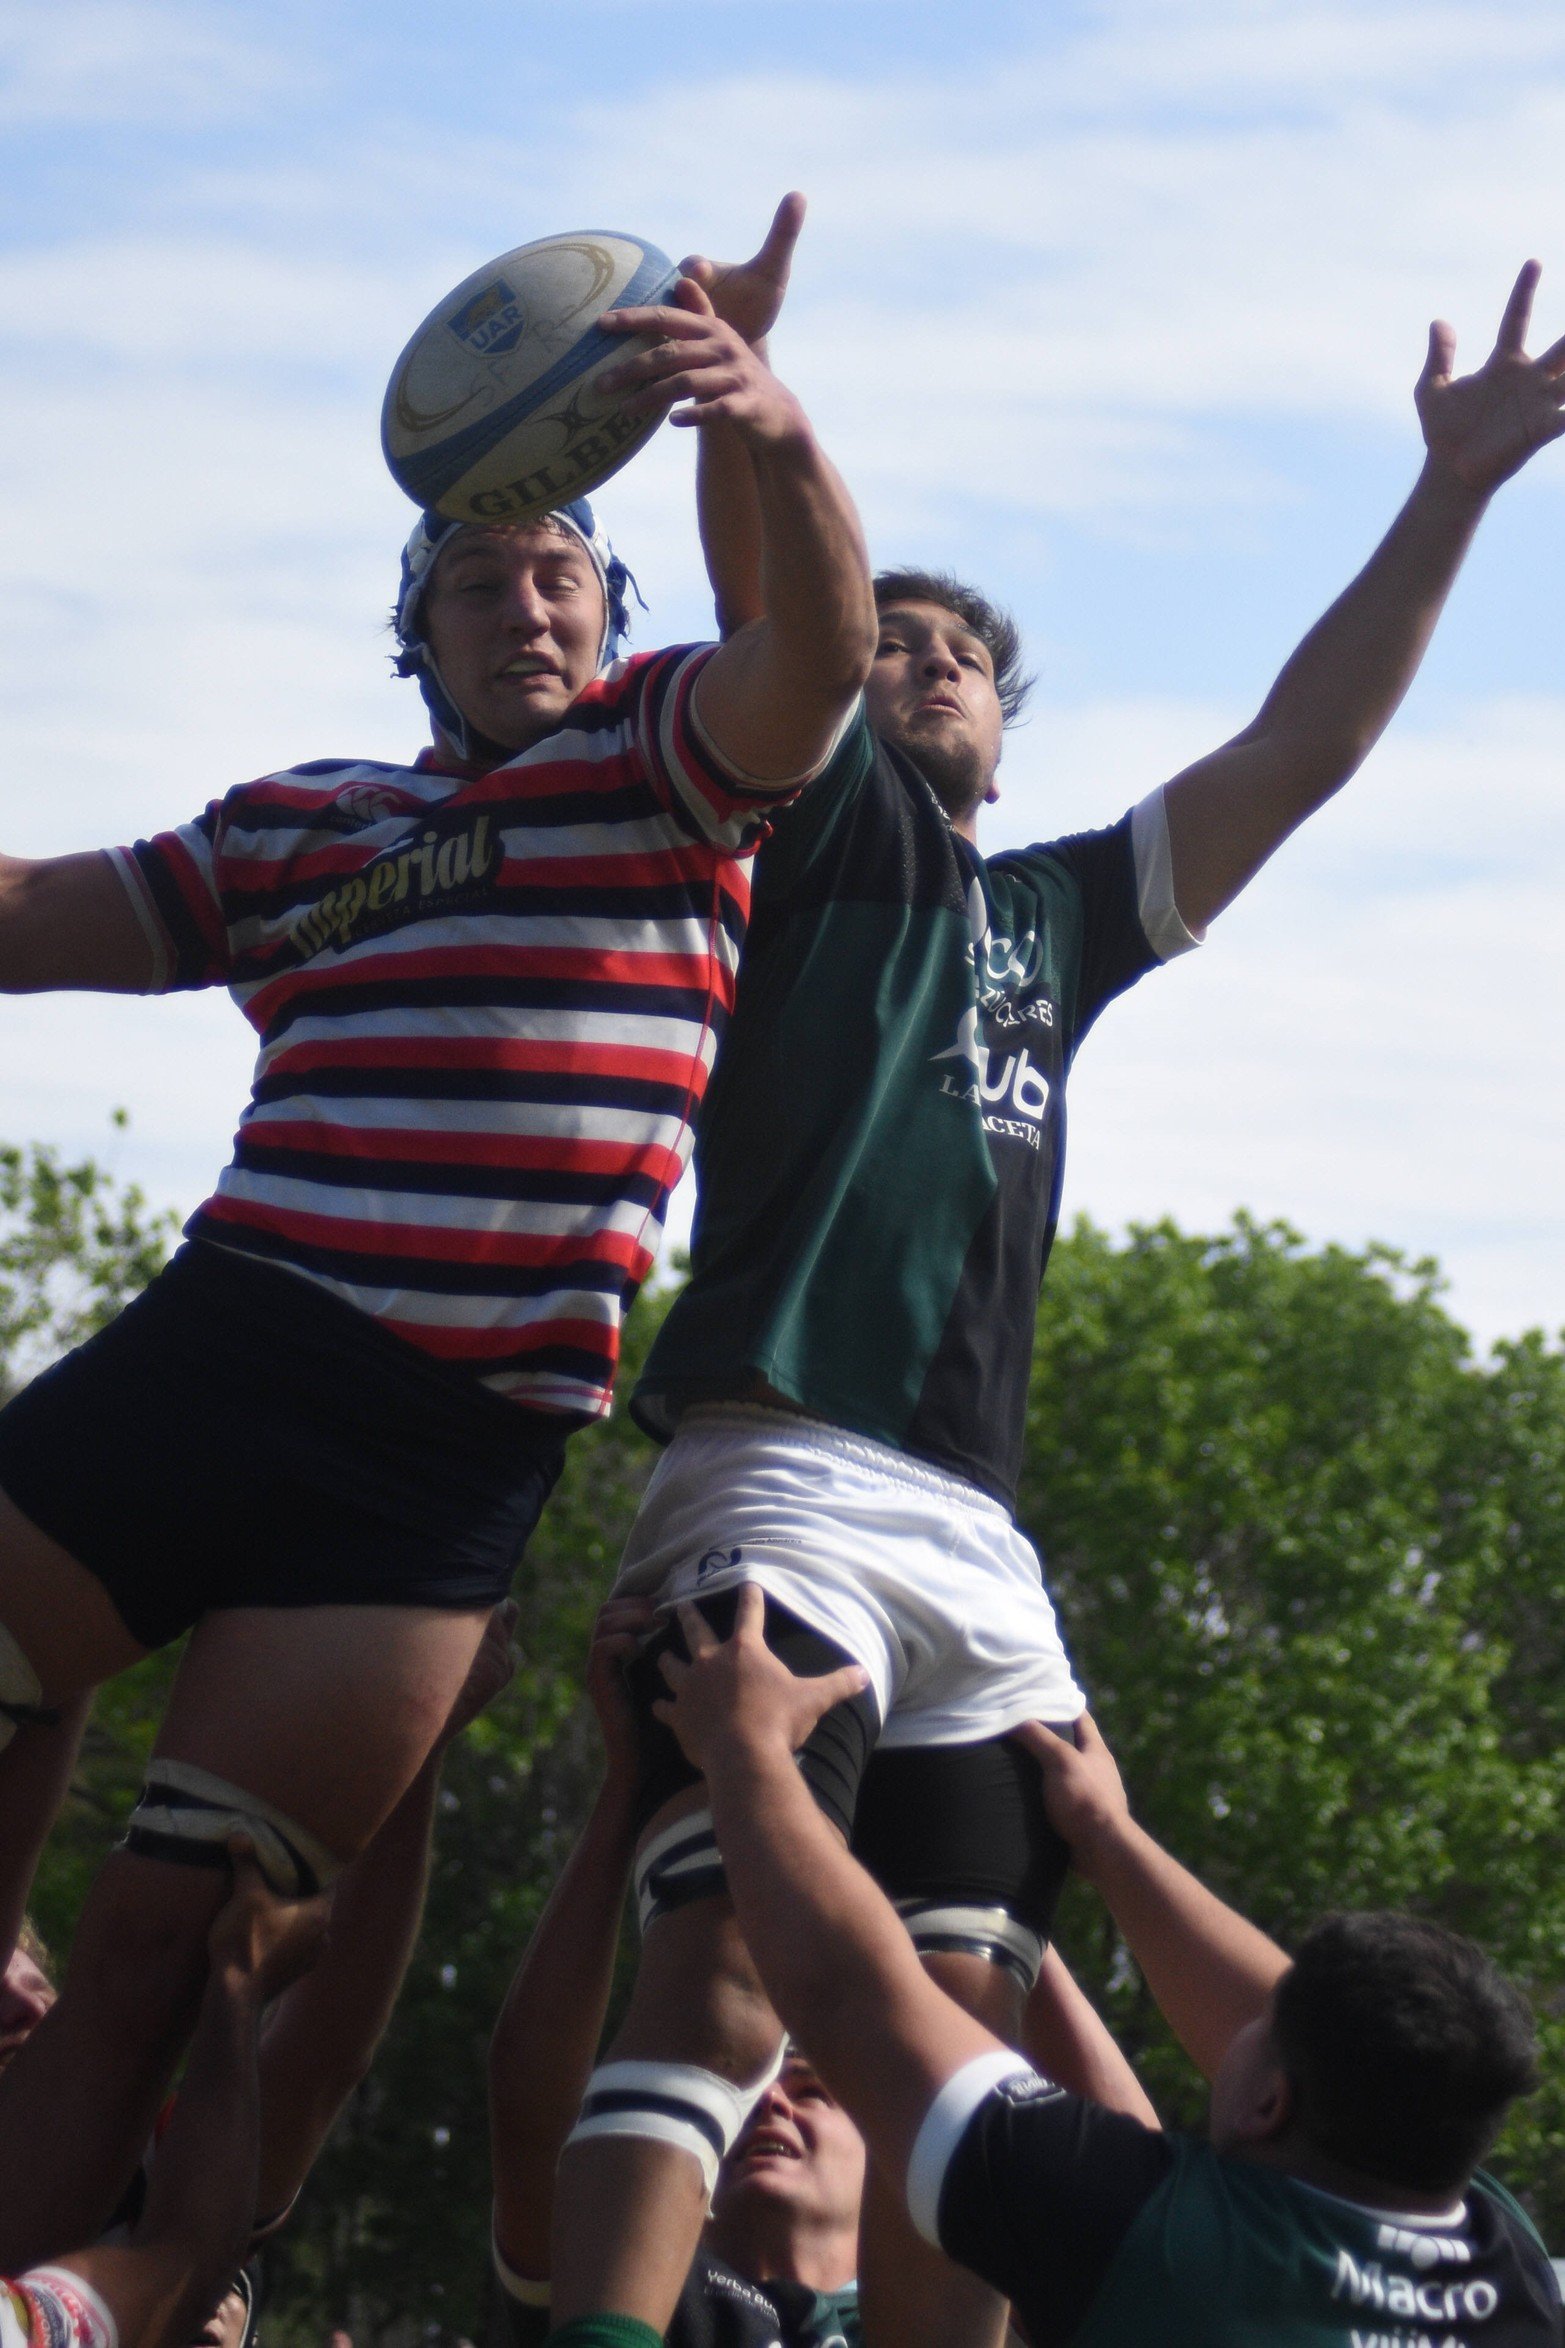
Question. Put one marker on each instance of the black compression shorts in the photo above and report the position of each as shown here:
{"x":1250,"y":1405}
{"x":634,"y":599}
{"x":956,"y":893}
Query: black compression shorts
{"x":241,"y":1437}
{"x":958,"y":1825}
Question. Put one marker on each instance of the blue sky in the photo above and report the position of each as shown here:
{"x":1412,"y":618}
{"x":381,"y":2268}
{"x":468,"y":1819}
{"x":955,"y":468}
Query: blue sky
{"x":1115,"y":307}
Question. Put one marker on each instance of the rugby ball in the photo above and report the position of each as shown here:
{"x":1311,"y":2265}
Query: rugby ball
{"x":492,"y":412}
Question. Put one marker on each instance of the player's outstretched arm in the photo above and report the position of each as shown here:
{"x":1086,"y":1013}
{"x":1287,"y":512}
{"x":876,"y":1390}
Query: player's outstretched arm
{"x":66,"y":922}
{"x":1210,"y":1971}
{"x":833,"y":1954}
{"x":774,"y":695}
{"x":163,"y":2283}
{"x":1339,"y":691}
{"x":546,"y":2040}
{"x":748,"y":296}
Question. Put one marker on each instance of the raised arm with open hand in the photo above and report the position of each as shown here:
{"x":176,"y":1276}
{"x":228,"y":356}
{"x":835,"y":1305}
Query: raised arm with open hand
{"x":1338,"y":692}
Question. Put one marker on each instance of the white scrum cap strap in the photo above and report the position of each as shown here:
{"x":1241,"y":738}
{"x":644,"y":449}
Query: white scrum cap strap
{"x":188,"y":1815}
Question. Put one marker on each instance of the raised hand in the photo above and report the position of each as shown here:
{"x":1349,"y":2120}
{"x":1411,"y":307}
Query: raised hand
{"x":1082,"y":1789}
{"x":699,"y":361}
{"x":737,"y":1690}
{"x":748,"y":295}
{"x":1482,"y":428}
{"x":621,"y":1625}
{"x":492,"y":1669}
{"x":260,"y":1943}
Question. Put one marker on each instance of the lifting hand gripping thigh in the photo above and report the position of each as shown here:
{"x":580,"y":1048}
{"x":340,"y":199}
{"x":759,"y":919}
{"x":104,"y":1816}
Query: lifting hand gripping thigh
{"x":188,"y":1815}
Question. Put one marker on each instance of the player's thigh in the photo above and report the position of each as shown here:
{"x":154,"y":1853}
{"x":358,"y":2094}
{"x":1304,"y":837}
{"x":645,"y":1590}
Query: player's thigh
{"x":327,"y":1713}
{"x":959,"y":1839}
{"x":59,"y":1614}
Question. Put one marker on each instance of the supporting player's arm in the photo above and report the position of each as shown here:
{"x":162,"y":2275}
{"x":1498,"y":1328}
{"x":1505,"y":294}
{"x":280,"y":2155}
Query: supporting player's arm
{"x":1339,"y":691}
{"x":546,"y":2040}
{"x":832,"y":1952}
{"x":35,"y":1770}
{"x":773,"y":697}
{"x":748,"y":296}
{"x":1067,"y":2038}
{"x":1210,"y":1971}
{"x":161,"y":2285}
{"x":67,"y":922}
{"x":320,"y":2039}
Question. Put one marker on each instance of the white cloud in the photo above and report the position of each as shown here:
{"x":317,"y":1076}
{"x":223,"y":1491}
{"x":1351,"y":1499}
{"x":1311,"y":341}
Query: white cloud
{"x":98,"y":61}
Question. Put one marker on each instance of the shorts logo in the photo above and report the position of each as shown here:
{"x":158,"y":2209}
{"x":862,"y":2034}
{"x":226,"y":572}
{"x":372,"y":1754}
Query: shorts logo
{"x":492,"y":321}
{"x":717,"y":1561}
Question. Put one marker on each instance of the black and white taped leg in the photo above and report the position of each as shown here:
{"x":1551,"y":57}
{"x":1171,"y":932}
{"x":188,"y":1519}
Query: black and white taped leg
{"x":681,"y":1864}
{"x":187,"y":1815}
{"x":950,"y":1928}
{"x":21,"y":1693}
{"x":677,"y":2104}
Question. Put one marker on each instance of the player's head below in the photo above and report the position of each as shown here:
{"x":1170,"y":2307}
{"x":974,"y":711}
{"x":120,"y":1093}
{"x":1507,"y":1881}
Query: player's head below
{"x":504,"y":624}
{"x":947,"y":681}
{"x":1389,"y":2056}
{"x":786,"y":2208}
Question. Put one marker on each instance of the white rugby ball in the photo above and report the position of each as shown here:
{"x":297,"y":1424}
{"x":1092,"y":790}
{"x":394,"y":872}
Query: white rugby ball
{"x":492,"y":412}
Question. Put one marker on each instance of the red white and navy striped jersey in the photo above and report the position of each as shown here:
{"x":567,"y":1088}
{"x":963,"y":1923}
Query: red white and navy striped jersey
{"x":488,"y":1005}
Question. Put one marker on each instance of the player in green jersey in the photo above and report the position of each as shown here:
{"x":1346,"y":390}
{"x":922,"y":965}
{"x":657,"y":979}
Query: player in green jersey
{"x":1354,"y":2090}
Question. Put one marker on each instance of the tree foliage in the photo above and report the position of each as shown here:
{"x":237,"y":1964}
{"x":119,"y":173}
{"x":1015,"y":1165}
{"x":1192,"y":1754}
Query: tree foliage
{"x":1307,"y":1551}
{"x":1302,"y":1545}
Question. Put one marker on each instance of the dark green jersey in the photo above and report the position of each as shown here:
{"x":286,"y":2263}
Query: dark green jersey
{"x":1106,"y":2234}
{"x":880,"y":1150}
{"x":718,"y":2308}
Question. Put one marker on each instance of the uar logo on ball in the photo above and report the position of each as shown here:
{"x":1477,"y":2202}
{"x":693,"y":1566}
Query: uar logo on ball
{"x":492,"y":412}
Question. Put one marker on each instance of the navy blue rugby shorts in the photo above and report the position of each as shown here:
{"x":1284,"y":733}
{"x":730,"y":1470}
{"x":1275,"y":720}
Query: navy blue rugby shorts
{"x":241,"y":1437}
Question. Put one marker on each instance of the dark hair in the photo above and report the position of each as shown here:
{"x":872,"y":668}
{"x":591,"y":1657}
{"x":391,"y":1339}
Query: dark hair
{"x":1404,"y":2045}
{"x":994,"y":628}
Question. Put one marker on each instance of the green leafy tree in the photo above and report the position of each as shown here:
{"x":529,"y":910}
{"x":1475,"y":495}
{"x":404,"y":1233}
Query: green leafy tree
{"x":1302,"y":1544}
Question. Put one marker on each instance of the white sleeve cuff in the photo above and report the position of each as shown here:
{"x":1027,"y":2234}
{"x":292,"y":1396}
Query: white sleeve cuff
{"x":945,"y":2124}
{"x":147,"y":914}
{"x":757,"y":786}
{"x":1161,"y":921}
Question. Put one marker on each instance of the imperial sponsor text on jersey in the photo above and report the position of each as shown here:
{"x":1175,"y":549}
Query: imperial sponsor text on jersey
{"x":488,"y":1004}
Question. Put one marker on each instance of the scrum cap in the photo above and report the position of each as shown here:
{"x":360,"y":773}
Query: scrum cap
{"x":431,"y":533}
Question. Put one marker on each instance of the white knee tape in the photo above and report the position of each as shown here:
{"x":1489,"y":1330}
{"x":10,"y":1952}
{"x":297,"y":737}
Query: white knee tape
{"x":682,"y":1863}
{"x":991,"y":1933}
{"x":187,"y":1815}
{"x":672,"y":2103}
{"x":21,"y":1692}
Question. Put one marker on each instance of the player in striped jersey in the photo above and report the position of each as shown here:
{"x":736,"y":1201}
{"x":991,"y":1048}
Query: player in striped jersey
{"x":488,"y":986}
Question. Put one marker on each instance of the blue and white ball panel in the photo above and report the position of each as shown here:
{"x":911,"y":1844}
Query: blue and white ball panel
{"x":491,"y":414}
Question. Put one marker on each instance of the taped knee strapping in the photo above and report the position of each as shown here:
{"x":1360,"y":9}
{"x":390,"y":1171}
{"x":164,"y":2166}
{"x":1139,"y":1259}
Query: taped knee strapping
{"x":672,"y":2103}
{"x":21,"y":1693}
{"x":991,"y":1933}
{"x":187,"y":1815}
{"x":680,"y":1864}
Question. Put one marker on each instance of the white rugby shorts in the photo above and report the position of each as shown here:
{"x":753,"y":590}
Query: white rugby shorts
{"x":920,"y":1577}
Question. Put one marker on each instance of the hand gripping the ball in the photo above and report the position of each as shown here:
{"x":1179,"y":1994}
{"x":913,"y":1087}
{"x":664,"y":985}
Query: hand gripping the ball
{"x":707,"y":366}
